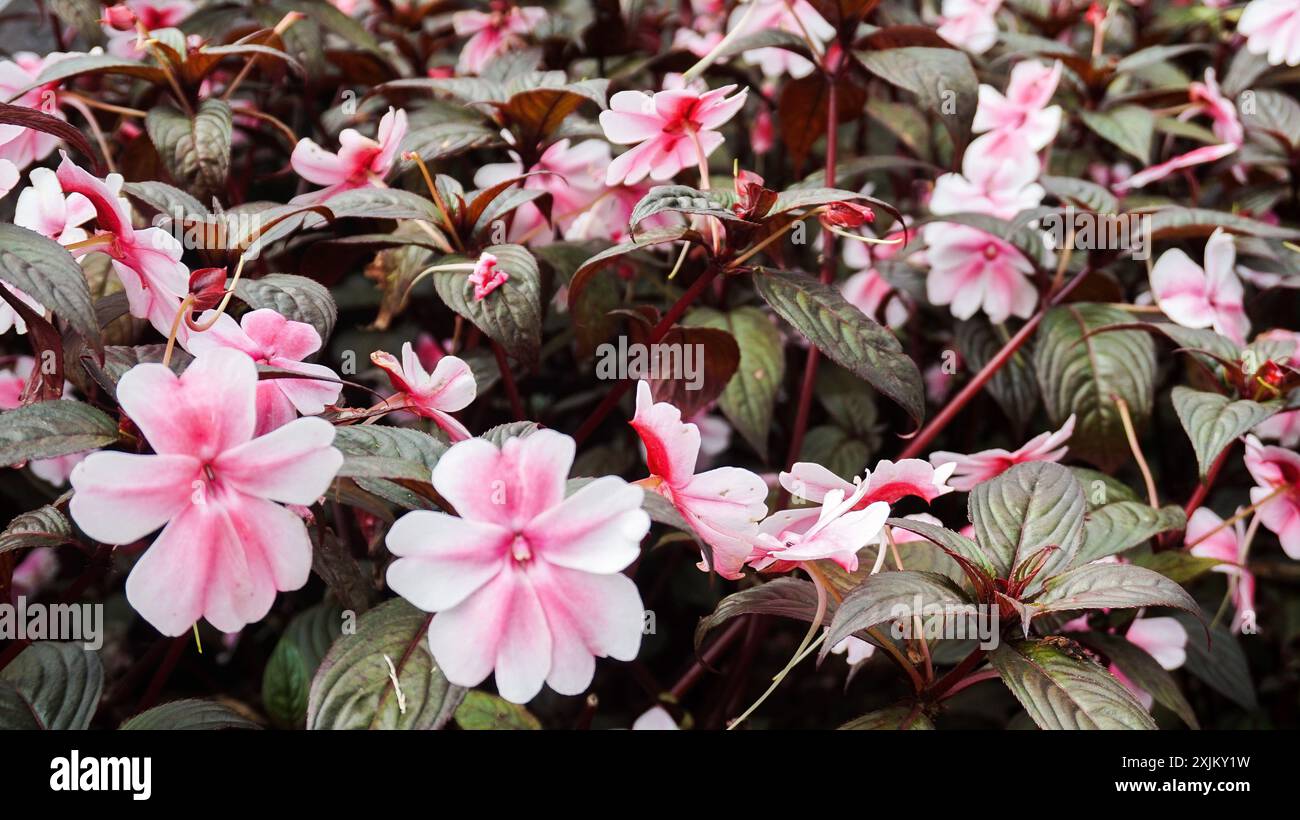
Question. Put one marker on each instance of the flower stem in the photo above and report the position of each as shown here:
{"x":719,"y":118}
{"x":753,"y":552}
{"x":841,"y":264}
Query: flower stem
{"x":1131,"y":435}
{"x":508,"y":379}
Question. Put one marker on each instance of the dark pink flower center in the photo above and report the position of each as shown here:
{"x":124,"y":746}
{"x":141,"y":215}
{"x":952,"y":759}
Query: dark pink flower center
{"x":520,"y":551}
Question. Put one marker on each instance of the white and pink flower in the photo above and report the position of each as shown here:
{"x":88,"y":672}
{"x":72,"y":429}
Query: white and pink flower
{"x":1272,"y":29}
{"x":1209,"y":538}
{"x":449,"y":388}
{"x":976,"y":468}
{"x":526,"y":583}
{"x":361,"y":162}
{"x":971,"y":270}
{"x":1024,"y":109}
{"x":1198,"y":297}
{"x":1276,"y":472}
{"x":493,"y":33}
{"x":227,"y":545}
{"x":671,"y":130}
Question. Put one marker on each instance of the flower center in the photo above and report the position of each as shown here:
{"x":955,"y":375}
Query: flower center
{"x":990,"y":251}
{"x":520,"y":551}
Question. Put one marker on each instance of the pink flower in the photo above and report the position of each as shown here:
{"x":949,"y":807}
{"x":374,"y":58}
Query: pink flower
{"x":1023,"y":110}
{"x":723,"y":505}
{"x":13,"y":380}
{"x":1277,"y":473}
{"x":360,"y":162}
{"x":487,"y":276}
{"x":572,"y":175}
{"x":9,"y":318}
{"x":43,"y":207}
{"x":147,"y":261}
{"x":997,"y":178}
{"x":1272,"y":28}
{"x":797,"y":17}
{"x":1164,"y":639}
{"x":281,"y":344}
{"x":152,"y":14}
{"x":1202,"y":297}
{"x":971,"y":270}
{"x":889,"y":482}
{"x":970,"y":24}
{"x":493,"y":33}
{"x":226,"y":546}
{"x":525,"y":582}
{"x":670,"y":130}
{"x":19,"y":145}
{"x":9,"y":177}
{"x":1205,"y":530}
{"x":35,"y":572}
{"x":977,"y":468}
{"x":854,"y":650}
{"x":450,"y":388}
{"x":841,"y":527}
{"x":1206,"y":99}
{"x":655,"y":719}
{"x":867,"y":290}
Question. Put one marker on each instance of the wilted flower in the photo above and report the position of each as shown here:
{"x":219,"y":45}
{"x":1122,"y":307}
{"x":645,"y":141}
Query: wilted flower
{"x":487,"y":276}
{"x":841,"y":527}
{"x":525,"y":582}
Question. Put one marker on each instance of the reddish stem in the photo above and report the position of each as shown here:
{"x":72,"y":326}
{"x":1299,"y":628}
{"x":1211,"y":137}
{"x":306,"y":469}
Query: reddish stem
{"x":707,"y":659}
{"x":918,"y":445}
{"x":1203,"y":489}
{"x":954,"y":677}
{"x":660,"y":330}
{"x":164,"y":672}
{"x":508,"y":379}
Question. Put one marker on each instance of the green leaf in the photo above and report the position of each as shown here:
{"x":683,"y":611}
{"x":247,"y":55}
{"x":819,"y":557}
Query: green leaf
{"x":1082,"y":374}
{"x":481,"y":711}
{"x":1213,"y":421}
{"x":1027,"y":508}
{"x":79,"y":64}
{"x":380,"y":203}
{"x":1120,"y":526}
{"x":892,"y":595}
{"x":1178,"y":222}
{"x":42,"y":527}
{"x":288,"y":673}
{"x":846,"y":335}
{"x":196,"y":152}
{"x":51,"y":685}
{"x":1013,"y":386}
{"x":1276,"y":114}
{"x":58,"y":427}
{"x":1221,"y":663}
{"x":189,"y":714}
{"x":680,"y":199}
{"x":447,"y":139}
{"x":1081,"y":192}
{"x":373,"y":451}
{"x":750,"y":395}
{"x":1144,"y":671}
{"x":942,"y":79}
{"x":836,"y":449}
{"x":353,"y":688}
{"x":1179,"y":567}
{"x":295,"y":297}
{"x":785,"y":597}
{"x":45,"y":271}
{"x":1064,"y":690}
{"x":953,"y":543}
{"x":850,"y":402}
{"x":890,"y":718}
{"x":511,"y":315}
{"x":1111,"y":586}
{"x":1127,"y":127}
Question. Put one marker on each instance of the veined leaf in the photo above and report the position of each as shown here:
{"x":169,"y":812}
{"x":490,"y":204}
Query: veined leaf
{"x":1120,"y":526}
{"x":1111,"y":586}
{"x":58,"y":427}
{"x":1213,"y":421}
{"x":51,"y":685}
{"x":1061,"y":689}
{"x":511,"y":315}
{"x":892,"y":595}
{"x":1027,"y":508}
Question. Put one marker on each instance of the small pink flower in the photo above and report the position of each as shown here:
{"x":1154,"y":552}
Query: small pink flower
{"x":124,"y":40}
{"x":1023,"y":109}
{"x":525,"y":582}
{"x":573,"y":175}
{"x":9,"y":177}
{"x":977,"y":468}
{"x":43,"y":207}
{"x":1199,"y":297}
{"x":9,"y":318}
{"x":147,"y":261}
{"x":970,"y":24}
{"x":670,"y":130}
{"x":270,"y":339}
{"x":797,"y":17}
{"x":451,"y":387}
{"x":360,"y":162}
{"x":1206,"y":99}
{"x":997,"y":178}
{"x":867,"y":290}
{"x":487,"y":276}
{"x":1276,"y":471}
{"x":889,"y":482}
{"x":226,"y":546}
{"x":723,"y":505}
{"x":493,"y":33}
{"x":971,"y":270}
{"x":1164,"y":639}
{"x":839,"y":529}
{"x":1272,"y":28}
{"x":19,"y":145}
{"x":1212,"y":540}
